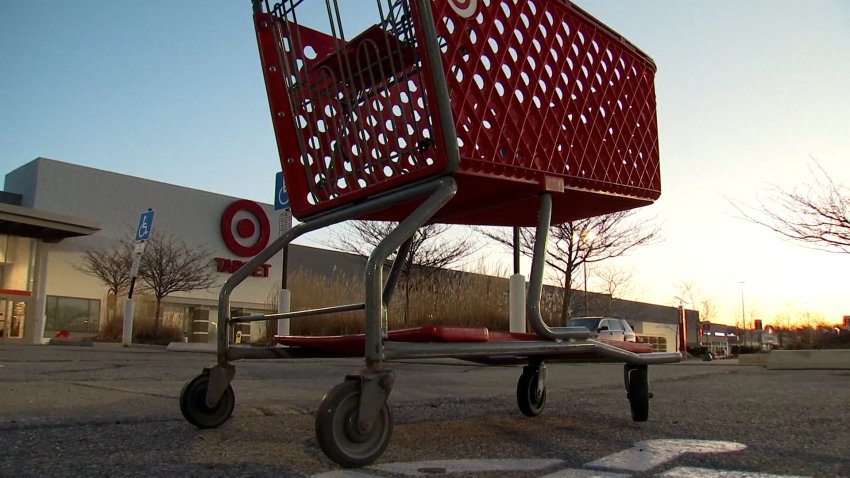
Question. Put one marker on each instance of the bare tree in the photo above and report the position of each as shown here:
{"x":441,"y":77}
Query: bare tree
{"x":783,"y":326}
{"x":690,"y":293}
{"x":169,"y":265}
{"x":112,"y":267}
{"x":815,"y":214}
{"x":707,"y":309}
{"x":575,"y":244}
{"x":615,"y":283}
{"x":432,"y":249}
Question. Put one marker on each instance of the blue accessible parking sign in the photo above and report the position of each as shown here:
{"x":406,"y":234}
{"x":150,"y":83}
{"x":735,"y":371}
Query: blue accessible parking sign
{"x":281,"y":197}
{"x":143,"y":232}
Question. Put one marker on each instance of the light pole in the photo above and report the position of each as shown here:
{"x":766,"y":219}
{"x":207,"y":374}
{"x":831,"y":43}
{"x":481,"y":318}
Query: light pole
{"x":683,"y":322}
{"x":743,"y":311}
{"x":584,"y":265}
{"x":582,"y":239}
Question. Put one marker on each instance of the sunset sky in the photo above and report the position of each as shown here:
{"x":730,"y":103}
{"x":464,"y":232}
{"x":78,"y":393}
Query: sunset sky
{"x":748,"y":93}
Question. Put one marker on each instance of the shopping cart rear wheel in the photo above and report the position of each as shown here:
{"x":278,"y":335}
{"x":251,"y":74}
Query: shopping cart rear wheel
{"x":194,"y":407}
{"x":530,"y":398}
{"x":637,"y":387}
{"x":338,"y":433}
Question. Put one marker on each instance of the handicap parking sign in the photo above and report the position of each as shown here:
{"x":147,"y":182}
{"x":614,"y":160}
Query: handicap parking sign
{"x":143,"y":232}
{"x":281,"y":197}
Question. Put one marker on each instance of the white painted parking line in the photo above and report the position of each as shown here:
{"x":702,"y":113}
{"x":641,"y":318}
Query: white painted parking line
{"x":443,"y":467}
{"x":643,"y":457}
{"x":344,"y":474}
{"x":574,"y":473}
{"x":649,"y":454}
{"x":689,"y":472}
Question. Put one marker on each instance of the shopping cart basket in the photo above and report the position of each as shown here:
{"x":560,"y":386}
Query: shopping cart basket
{"x":477,"y":112}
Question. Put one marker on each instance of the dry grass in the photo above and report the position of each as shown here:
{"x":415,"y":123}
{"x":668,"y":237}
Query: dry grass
{"x":143,"y":326}
{"x":310,"y":291}
{"x":450,"y":298}
{"x":454,"y":299}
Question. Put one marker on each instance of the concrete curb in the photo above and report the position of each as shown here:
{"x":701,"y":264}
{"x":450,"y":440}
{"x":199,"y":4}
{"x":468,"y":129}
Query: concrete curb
{"x":191,"y":347}
{"x":809,"y":360}
{"x":753,"y":359}
{"x":83,"y":342}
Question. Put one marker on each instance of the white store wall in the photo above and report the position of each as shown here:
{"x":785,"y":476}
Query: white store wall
{"x":668,"y":331}
{"x":115,"y":201}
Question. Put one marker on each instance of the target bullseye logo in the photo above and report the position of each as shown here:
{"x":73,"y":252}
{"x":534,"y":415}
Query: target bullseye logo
{"x":245,"y":228}
{"x":464,"y":8}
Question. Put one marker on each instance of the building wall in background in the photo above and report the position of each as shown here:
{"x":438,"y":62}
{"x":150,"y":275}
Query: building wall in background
{"x":194,"y":216}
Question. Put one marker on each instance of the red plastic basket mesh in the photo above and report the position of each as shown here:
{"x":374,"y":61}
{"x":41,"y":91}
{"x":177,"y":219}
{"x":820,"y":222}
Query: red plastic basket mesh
{"x":543,"y":98}
{"x":539,"y":88}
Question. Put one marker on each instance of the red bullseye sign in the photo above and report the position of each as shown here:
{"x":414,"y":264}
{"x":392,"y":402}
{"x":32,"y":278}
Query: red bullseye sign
{"x":464,"y":8}
{"x":245,"y":228}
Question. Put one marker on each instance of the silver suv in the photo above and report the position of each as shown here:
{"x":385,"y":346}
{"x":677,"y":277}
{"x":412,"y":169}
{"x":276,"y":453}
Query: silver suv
{"x":608,"y":328}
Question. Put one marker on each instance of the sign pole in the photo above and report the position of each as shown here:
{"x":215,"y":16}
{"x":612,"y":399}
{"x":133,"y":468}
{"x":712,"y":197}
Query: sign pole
{"x":284,"y":297}
{"x":516,"y":292}
{"x":143,"y":232}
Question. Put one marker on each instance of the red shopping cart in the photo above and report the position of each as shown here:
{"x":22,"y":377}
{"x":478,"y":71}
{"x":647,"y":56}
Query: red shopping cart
{"x":477,"y":112}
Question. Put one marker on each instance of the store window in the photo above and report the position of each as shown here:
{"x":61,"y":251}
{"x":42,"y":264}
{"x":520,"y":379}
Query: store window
{"x":72,"y":314}
{"x":174,"y":315}
{"x":17,"y":260}
{"x":12,"y":315}
{"x":659,"y":344}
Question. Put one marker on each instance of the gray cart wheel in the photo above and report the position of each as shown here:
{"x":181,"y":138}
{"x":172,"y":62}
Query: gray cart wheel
{"x":637,"y":387}
{"x":529,"y":397}
{"x":337,"y":431}
{"x":194,"y":407}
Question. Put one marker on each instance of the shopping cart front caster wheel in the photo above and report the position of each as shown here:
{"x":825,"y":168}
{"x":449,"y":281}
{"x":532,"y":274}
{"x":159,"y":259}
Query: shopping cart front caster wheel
{"x":637,"y":387}
{"x":529,"y":396}
{"x":338,"y":433}
{"x":194,"y":407}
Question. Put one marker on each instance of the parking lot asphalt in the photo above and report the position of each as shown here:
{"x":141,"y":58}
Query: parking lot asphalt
{"x":112,"y":411}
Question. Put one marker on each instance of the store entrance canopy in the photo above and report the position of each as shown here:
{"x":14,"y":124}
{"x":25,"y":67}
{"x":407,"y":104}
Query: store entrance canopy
{"x":47,"y":226}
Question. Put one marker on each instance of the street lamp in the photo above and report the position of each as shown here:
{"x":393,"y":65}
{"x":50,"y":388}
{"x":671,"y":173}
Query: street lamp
{"x":683,"y":333}
{"x":584,"y":265}
{"x":582,"y":239}
{"x":743,"y":311}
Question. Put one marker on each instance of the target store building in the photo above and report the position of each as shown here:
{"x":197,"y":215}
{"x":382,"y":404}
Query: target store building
{"x":231,"y":229}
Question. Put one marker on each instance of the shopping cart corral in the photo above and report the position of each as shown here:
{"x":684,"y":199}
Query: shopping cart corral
{"x":480,"y":112}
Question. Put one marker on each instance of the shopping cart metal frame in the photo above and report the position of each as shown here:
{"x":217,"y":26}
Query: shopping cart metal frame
{"x":360,"y":437}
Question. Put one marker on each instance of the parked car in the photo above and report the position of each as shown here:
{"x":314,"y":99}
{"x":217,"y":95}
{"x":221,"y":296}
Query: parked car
{"x":608,"y":328}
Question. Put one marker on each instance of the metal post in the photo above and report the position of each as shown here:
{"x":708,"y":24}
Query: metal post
{"x":683,"y":334}
{"x":284,"y":298}
{"x":743,"y":314}
{"x":584,"y":266}
{"x":516,"y":250}
{"x":143,"y":232}
{"x":516,"y":292}
{"x":127,"y":335}
{"x":516,"y":299}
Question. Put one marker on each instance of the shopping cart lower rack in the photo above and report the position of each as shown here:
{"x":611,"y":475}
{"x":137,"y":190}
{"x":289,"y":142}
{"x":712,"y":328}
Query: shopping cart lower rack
{"x":521,"y":113}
